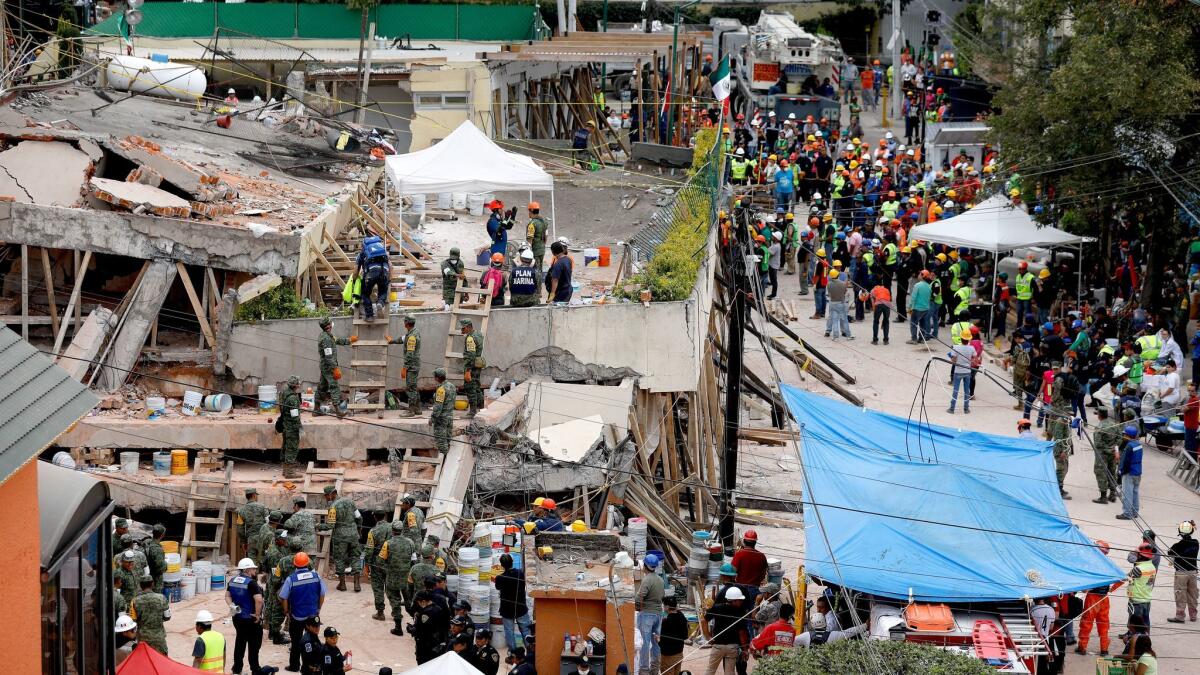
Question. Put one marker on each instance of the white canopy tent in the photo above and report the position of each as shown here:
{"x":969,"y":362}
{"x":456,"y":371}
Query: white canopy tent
{"x":446,"y":664}
{"x":997,"y":226}
{"x":468,"y":161}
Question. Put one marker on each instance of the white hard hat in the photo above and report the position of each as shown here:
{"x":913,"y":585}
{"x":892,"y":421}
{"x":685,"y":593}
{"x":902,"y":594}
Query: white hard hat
{"x":231,"y":91}
{"x":1119,"y":371}
{"x":734,"y":593}
{"x":878,"y":163}
{"x":204,"y":616}
{"x":889,"y":135}
{"x":130,"y":555}
{"x":124,"y":623}
{"x":771,"y":114}
{"x":948,"y":204}
{"x":739,"y":152}
{"x":901,"y":146}
{"x":912,"y":152}
{"x":526,"y":254}
{"x":817,"y":621}
{"x":777,"y":235}
{"x":246,"y":564}
{"x":791,"y":116}
{"x":1187,"y":527}
{"x":816,"y":195}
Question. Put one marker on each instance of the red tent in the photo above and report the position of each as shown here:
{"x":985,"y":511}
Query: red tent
{"x":146,"y":661}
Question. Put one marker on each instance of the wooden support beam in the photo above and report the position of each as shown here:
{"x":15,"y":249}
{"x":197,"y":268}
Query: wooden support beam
{"x":73,"y":302}
{"x":49,"y":276}
{"x":197,"y":306}
{"x":329,"y":266}
{"x":25,"y":291}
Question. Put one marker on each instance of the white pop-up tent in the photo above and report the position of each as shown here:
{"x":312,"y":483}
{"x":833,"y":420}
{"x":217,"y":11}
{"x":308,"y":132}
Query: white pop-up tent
{"x":467,"y":161}
{"x":446,"y":664}
{"x":997,"y":226}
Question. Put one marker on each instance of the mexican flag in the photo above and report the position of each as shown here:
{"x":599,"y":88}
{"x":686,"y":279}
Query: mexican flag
{"x":719,"y":79}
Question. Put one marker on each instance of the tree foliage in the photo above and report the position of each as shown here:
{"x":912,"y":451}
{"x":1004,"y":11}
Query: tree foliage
{"x":872,"y":657}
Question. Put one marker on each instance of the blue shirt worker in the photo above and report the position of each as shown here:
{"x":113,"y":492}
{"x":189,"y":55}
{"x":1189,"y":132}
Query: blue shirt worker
{"x":545,"y":517}
{"x":301,"y":597}
{"x":375,"y":269}
{"x":523,"y":288}
{"x":498,"y":225}
{"x":244,"y":592}
{"x":1131,"y":474}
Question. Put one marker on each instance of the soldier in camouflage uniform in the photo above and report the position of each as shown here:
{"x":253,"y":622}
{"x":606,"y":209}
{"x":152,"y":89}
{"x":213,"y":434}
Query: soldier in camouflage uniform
{"x":128,"y":543}
{"x":446,"y":566}
{"x":283,"y":569}
{"x":396,"y":559}
{"x":120,"y":529}
{"x":441,"y":418}
{"x":1058,"y":429}
{"x":452,"y":271}
{"x":330,"y":373}
{"x":473,"y":364}
{"x":376,"y":538}
{"x":423,"y":570}
{"x":150,"y":610}
{"x":262,"y":538}
{"x":119,"y":603}
{"x":1020,"y":358}
{"x":1105,"y":441}
{"x":156,"y":558}
{"x":250,"y":516}
{"x":129,"y":583}
{"x":412,"y":520}
{"x":343,"y":519}
{"x":302,"y":526}
{"x":289,"y":425}
{"x":412,"y":364}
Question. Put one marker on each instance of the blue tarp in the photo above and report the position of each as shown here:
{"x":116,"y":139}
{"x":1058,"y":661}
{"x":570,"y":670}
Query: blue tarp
{"x":952,"y":516}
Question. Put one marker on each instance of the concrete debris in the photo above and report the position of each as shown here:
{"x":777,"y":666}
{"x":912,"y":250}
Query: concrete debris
{"x":181,"y":174}
{"x":145,"y":175}
{"x":569,"y":441}
{"x":85,"y":345}
{"x":140,"y":198}
{"x":50,"y":173}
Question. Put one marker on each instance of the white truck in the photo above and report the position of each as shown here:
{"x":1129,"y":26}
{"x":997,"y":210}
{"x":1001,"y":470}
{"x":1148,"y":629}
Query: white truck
{"x":779,"y":48}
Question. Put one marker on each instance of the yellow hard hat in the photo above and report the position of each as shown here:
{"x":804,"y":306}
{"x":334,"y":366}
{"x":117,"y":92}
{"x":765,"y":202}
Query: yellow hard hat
{"x":820,"y":253}
{"x":538,"y":501}
{"x":953,"y":254}
{"x":811,"y":138}
{"x":989,"y":168}
{"x":833,"y":273}
{"x":853,"y":164}
{"x":951,"y":194}
{"x":1014,"y":192}
{"x":772,"y":157}
{"x":941,"y":257}
{"x":529,"y":527}
{"x":721,"y":214}
{"x":1044,"y":274}
{"x":856,"y":141}
{"x":837,"y":264}
{"x":828,"y":217}
{"x":578,"y":526}
{"x":966,"y":334}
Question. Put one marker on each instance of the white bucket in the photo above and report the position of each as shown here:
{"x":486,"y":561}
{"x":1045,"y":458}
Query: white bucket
{"x":268,"y":401}
{"x":203,"y":584}
{"x":156,"y":403}
{"x":497,"y":535}
{"x":221,"y":403}
{"x":172,"y":560}
{"x":187,"y":586}
{"x":162,"y":463}
{"x":475,"y":205}
{"x":452,"y":583}
{"x":444,"y":200}
{"x":483,"y":535}
{"x":458,"y":200}
{"x":637,"y":530}
{"x":129,"y":463}
{"x":468,"y":564}
{"x":418,"y":203}
{"x":495,"y":602}
{"x":192,"y":400}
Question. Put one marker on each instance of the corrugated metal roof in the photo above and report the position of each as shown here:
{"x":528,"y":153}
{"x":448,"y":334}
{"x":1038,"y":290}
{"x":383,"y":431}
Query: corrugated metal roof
{"x":38,"y":402}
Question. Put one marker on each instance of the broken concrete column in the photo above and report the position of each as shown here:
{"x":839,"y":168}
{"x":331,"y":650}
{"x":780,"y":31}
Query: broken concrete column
{"x":135,"y":326}
{"x":85,"y":345}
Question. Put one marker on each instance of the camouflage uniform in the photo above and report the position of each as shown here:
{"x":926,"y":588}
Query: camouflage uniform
{"x":283,"y":569}
{"x":442,"y":415}
{"x":412,"y":366}
{"x":156,"y":559}
{"x":473,"y":364}
{"x":327,"y":351}
{"x":289,"y":415}
{"x":139,"y":558}
{"x":149,"y":609}
{"x":535,"y":234}
{"x":260,"y":542}
{"x":452,"y":267}
{"x":412,"y":521}
{"x":302,"y":526}
{"x":396,"y":559}
{"x":129,"y":584}
{"x":250,"y":516}
{"x":342,"y":518}
{"x":420,"y":572}
{"x":376,"y":538}
{"x":1059,"y":430}
{"x":1105,"y":442}
{"x":1020,"y":364}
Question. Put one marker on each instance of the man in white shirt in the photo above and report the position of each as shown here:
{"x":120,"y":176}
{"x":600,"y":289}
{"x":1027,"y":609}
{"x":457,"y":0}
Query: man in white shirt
{"x":818,"y":632}
{"x":1169,"y":391}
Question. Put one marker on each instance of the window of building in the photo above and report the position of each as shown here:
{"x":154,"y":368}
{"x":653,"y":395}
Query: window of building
{"x":440,"y":101}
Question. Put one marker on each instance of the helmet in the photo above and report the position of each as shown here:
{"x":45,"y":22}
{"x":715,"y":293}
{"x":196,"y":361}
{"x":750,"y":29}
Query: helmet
{"x":734,"y":593}
{"x":728,"y":570}
{"x":948,"y":204}
{"x":204,"y":616}
{"x":124,"y":623}
{"x":1131,"y":431}
{"x":820,"y":253}
{"x":534,"y":206}
{"x":853,"y":164}
{"x":651,"y":561}
{"x":951,"y":194}
{"x":246,"y":564}
{"x":750,"y":535}
{"x":293,"y":381}
{"x":579,"y":526}
{"x":817,"y":197}
{"x":1103,"y":546}
{"x":837,"y":264}
{"x":1077,"y":323}
{"x":783,"y":163}
{"x":1003,"y":276}
{"x":966,"y":334}
{"x":856,"y":141}
{"x":300,"y":559}
{"x":1022,"y":265}
{"x":772,"y":157}
{"x":1023,"y":423}
{"x":538,"y":501}
{"x":739,"y":152}
{"x":526,"y":254}
{"x":497,"y":258}
{"x":548,"y":503}
{"x":1044,"y":274}
{"x":941,"y":257}
{"x":841,"y":235}
{"x":833,"y":273}
{"x":1014,"y":193}
{"x":454,"y":252}
{"x":1145,"y":552}
{"x":1048,"y":326}
{"x":816,"y":621}
{"x":1187,"y":527}
{"x":974,"y":330}
{"x":814,"y":221}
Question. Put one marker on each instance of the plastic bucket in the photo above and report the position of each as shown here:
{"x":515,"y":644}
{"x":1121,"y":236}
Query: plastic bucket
{"x":468,"y":564}
{"x":605,"y":256}
{"x":267,"y":399}
{"x":483,"y":536}
{"x":129,"y":463}
{"x":458,"y":200}
{"x":218,"y":581}
{"x":173,"y":575}
{"x":179,"y":462}
{"x":155,"y":405}
{"x":221,"y":403}
{"x":64,"y":459}
{"x":173,"y":561}
{"x":172,"y":590}
{"x":475,"y":205}
{"x":418,"y":203}
{"x":203,"y":584}
{"x":444,"y":200}
{"x":187,"y":586}
{"x":637,"y":530}
{"x":170,"y":547}
{"x":162,"y":463}
{"x":191,"y":402}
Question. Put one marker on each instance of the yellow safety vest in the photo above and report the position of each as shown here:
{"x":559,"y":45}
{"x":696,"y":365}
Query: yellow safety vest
{"x":1106,"y":350}
{"x":214,"y":652}
{"x":964,"y":300}
{"x":954,"y":282}
{"x":1140,"y":588}
{"x":739,"y":167}
{"x":1151,"y":345}
{"x":1025,"y":286}
{"x":956,"y":332}
{"x":891,"y":252}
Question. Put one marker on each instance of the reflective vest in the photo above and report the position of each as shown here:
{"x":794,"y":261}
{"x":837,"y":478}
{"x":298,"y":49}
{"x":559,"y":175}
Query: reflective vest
{"x":890,"y":251}
{"x":954,"y":282}
{"x":524,"y":281}
{"x":1025,"y":286}
{"x":1140,"y":588}
{"x":964,"y":300}
{"x":739,"y":167}
{"x":214,"y":652}
{"x":239,"y":591}
{"x":956,"y":331}
{"x":1151,"y":345}
{"x":937,"y":291}
{"x":1107,"y":350}
{"x":304,"y":599}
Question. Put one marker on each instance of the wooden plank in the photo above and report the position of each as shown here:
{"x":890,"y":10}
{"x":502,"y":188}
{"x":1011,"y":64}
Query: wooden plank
{"x":49,"y":277}
{"x":25,"y":291}
{"x":332,"y":270}
{"x":80,"y":272}
{"x":197,"y":307}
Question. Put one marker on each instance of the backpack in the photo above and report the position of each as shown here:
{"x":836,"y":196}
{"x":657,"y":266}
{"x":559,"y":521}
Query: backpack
{"x":498,"y":277}
{"x":374,"y":247}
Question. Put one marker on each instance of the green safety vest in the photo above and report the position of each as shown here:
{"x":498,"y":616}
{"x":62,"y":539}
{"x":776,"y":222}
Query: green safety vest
{"x":954,"y":282}
{"x":891,"y":252}
{"x":956,"y":331}
{"x":1151,"y":345}
{"x":739,"y":167}
{"x":1025,"y":286}
{"x":839,"y":184}
{"x":1106,"y":350}
{"x":868,"y":260}
{"x":936,"y":285}
{"x":1140,"y":588}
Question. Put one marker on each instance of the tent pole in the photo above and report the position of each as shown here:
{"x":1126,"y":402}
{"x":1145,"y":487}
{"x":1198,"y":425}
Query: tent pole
{"x":992,"y":311}
{"x":553,"y":217}
{"x":1079,"y":276}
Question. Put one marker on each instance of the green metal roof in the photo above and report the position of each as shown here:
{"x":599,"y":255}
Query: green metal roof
{"x":38,"y":402}
{"x":484,"y":23}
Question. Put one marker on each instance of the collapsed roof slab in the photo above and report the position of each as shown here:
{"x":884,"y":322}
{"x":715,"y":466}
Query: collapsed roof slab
{"x":51,"y":173}
{"x":192,"y":242}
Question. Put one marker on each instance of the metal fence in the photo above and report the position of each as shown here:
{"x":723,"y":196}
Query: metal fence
{"x":698,"y":195}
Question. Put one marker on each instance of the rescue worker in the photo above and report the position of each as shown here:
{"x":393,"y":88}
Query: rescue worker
{"x":343,"y":518}
{"x":395,"y":558}
{"x":430,"y":625}
{"x":441,"y":417}
{"x":208,"y":653}
{"x":301,"y":597}
{"x":962,"y":303}
{"x":473,"y":364}
{"x":412,"y":520}
{"x":156,"y":558}
{"x":422,"y":570}
{"x":244,"y":593}
{"x":1058,"y":429}
{"x":523,"y":288}
{"x":376,"y":538}
{"x":738,"y":167}
{"x":288,"y":424}
{"x":129,"y":544}
{"x":375,"y":269}
{"x":129,"y":583}
{"x":260,"y":541}
{"x":301,"y":524}
{"x":284,"y":566}
{"x":150,"y":610}
{"x":250,"y":516}
{"x":330,"y":373}
{"x":1024,"y":288}
{"x":125,"y":638}
{"x":1141,"y":583}
{"x":1130,"y":473}
{"x":1095,"y":612}
{"x":308,"y":648}
{"x":485,"y":658}
{"x":493,"y":277}
{"x":411,"y":369}
{"x":1151,"y":344}
{"x":452,"y":272}
{"x":1104,"y":443}
{"x":535,"y":236}
{"x":332,"y":661}
{"x":545,"y":516}
{"x":1182,"y":555}
{"x":498,"y":225}
{"x":121,"y":528}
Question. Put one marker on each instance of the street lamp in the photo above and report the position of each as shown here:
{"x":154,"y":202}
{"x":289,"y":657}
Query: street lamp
{"x":671,"y":77}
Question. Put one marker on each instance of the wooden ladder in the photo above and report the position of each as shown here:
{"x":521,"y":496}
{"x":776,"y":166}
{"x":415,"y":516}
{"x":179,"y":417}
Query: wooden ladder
{"x":481,"y":308}
{"x":313,"y":490}
{"x":209,"y":493}
{"x":368,"y":363}
{"x":406,"y":482}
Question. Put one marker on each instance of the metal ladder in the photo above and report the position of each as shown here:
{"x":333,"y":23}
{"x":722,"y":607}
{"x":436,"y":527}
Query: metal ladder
{"x":1028,"y":642}
{"x":208,"y":493}
{"x":313,"y":490}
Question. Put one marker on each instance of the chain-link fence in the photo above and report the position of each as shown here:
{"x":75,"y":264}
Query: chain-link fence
{"x":694,"y":204}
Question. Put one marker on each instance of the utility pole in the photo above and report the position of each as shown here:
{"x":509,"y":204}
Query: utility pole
{"x":734,"y":345}
{"x":671,"y":74}
{"x":361,"y":113}
{"x":897,"y":41}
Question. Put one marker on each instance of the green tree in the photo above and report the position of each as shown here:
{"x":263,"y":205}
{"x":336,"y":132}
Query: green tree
{"x":872,"y":657}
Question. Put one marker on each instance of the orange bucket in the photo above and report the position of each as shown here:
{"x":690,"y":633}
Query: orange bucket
{"x":605,"y":256}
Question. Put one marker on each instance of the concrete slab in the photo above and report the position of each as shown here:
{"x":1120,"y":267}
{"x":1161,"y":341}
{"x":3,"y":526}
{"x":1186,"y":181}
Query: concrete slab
{"x":134,"y":328}
{"x":139,"y":197}
{"x":569,"y":441}
{"x":85,"y":345}
{"x":52,"y":173}
{"x":181,"y":174}
{"x":556,"y":402}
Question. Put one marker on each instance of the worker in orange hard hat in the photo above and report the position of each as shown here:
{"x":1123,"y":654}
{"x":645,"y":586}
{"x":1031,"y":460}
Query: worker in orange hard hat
{"x":494,"y":276}
{"x":535,"y":234}
{"x":545,"y":516}
{"x":1095,"y":611}
{"x":751,"y":565}
{"x":498,"y":225}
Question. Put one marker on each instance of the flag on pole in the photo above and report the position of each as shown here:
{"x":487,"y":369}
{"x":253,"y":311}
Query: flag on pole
{"x":719,"y":79}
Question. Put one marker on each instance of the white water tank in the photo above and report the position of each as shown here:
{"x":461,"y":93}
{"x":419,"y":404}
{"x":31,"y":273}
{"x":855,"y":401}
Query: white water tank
{"x":166,"y":80}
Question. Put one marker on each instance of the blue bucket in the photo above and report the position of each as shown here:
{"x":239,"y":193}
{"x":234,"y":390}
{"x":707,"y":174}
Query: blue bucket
{"x":217,"y":583}
{"x":172,"y":591}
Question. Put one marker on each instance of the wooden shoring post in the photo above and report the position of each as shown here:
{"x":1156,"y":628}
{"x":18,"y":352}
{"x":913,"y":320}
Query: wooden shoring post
{"x":25,"y":291}
{"x":73,"y":302}
{"x":197,"y":307}
{"x":49,"y":277}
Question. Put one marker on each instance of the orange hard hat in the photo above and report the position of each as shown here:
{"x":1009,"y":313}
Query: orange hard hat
{"x":1023,"y":423}
{"x":1023,"y":265}
{"x":708,"y":57}
{"x":750,"y":535}
{"x":1100,"y":543}
{"x":814,"y":221}
{"x":548,"y":503}
{"x":300,"y":559}
{"x":534,"y":206}
{"x":497,"y":257}
{"x":495,"y":204}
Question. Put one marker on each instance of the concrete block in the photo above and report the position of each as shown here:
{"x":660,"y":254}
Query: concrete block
{"x":86,"y":343}
{"x":138,"y":197}
{"x":344,"y":454}
{"x":145,"y":175}
{"x":139,"y":316}
{"x":52,"y":173}
{"x":181,"y":174}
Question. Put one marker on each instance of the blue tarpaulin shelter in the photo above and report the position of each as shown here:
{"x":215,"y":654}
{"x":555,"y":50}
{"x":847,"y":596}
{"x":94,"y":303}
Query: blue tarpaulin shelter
{"x":953,"y":516}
